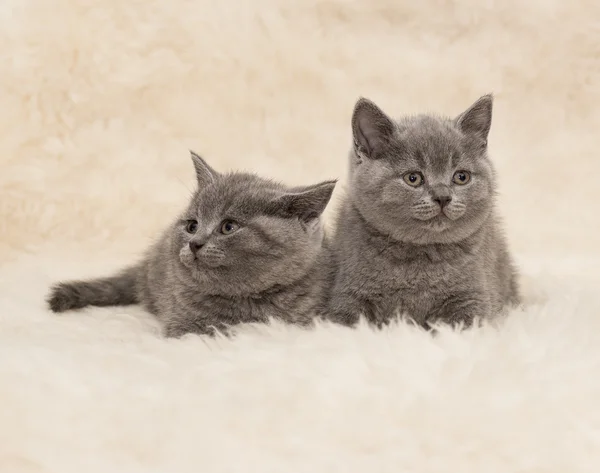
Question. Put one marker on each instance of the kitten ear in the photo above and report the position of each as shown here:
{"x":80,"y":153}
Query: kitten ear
{"x":306,"y":203}
{"x":477,"y":120}
{"x":204,"y":173}
{"x":372,"y":129}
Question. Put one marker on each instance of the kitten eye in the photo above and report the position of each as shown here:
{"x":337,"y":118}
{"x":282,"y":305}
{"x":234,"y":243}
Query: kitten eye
{"x":413,"y":179}
{"x":228,"y":227}
{"x":461,"y":177}
{"x":191,"y":226}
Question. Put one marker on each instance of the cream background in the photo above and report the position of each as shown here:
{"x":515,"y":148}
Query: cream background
{"x":101,"y":100}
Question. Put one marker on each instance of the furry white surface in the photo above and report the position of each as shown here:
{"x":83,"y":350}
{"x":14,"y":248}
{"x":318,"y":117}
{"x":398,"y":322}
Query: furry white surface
{"x":101,"y":100}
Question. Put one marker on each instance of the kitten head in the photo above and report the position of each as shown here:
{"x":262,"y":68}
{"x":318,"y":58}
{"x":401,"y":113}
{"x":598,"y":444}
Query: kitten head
{"x":243,"y":234}
{"x":422,"y":179}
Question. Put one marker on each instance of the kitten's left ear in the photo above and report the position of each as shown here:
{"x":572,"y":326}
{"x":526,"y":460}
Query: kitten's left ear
{"x":477,"y":120}
{"x":306,"y":203}
{"x":204,"y":173}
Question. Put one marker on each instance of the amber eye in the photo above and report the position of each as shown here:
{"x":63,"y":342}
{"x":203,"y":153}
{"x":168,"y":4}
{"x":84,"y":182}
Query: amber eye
{"x":228,"y":227}
{"x":191,"y":226}
{"x":461,"y":177}
{"x":413,"y":179}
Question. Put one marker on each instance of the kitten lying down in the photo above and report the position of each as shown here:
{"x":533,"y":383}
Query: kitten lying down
{"x":245,"y":250}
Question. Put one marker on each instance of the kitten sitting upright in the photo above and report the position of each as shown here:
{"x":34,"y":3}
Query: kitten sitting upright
{"x":417,"y":233}
{"x":246,"y":249}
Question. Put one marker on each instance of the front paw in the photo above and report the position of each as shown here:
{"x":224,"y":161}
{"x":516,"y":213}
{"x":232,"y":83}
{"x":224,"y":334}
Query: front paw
{"x":342,"y":310}
{"x":460,"y":310}
{"x":177,"y":329}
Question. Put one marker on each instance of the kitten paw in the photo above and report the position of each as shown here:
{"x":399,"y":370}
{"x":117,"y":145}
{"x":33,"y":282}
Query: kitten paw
{"x":461,"y":310}
{"x":179,"y":329}
{"x":176,"y":330}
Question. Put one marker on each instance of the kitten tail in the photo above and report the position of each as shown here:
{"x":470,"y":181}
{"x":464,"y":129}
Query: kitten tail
{"x":114,"y":290}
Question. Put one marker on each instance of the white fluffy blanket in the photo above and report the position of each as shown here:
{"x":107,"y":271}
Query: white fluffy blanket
{"x":100,"y":100}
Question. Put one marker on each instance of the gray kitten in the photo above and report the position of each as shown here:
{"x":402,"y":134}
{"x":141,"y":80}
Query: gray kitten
{"x":417,"y":233}
{"x":246,"y":249}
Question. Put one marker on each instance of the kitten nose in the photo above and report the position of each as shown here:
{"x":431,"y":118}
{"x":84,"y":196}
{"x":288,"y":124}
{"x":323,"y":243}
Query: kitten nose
{"x":443,"y":200}
{"x":195,"y":245}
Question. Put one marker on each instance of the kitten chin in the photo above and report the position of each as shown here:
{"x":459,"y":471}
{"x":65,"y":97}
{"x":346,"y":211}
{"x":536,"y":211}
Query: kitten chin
{"x":439,"y":223}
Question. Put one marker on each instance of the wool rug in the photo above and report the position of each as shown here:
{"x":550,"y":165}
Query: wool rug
{"x":101,"y":100}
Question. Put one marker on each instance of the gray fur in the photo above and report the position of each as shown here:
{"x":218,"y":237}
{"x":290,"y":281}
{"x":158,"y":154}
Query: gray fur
{"x":274,"y":265}
{"x":398,"y":250}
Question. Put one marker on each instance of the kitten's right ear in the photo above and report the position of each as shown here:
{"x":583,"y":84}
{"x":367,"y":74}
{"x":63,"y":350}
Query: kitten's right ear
{"x":372,"y":129}
{"x":306,"y":203}
{"x":204,"y":173}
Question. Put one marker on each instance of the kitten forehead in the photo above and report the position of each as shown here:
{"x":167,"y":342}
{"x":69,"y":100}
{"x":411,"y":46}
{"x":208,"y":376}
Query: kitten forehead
{"x":432,"y":142}
{"x":239,"y":193}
